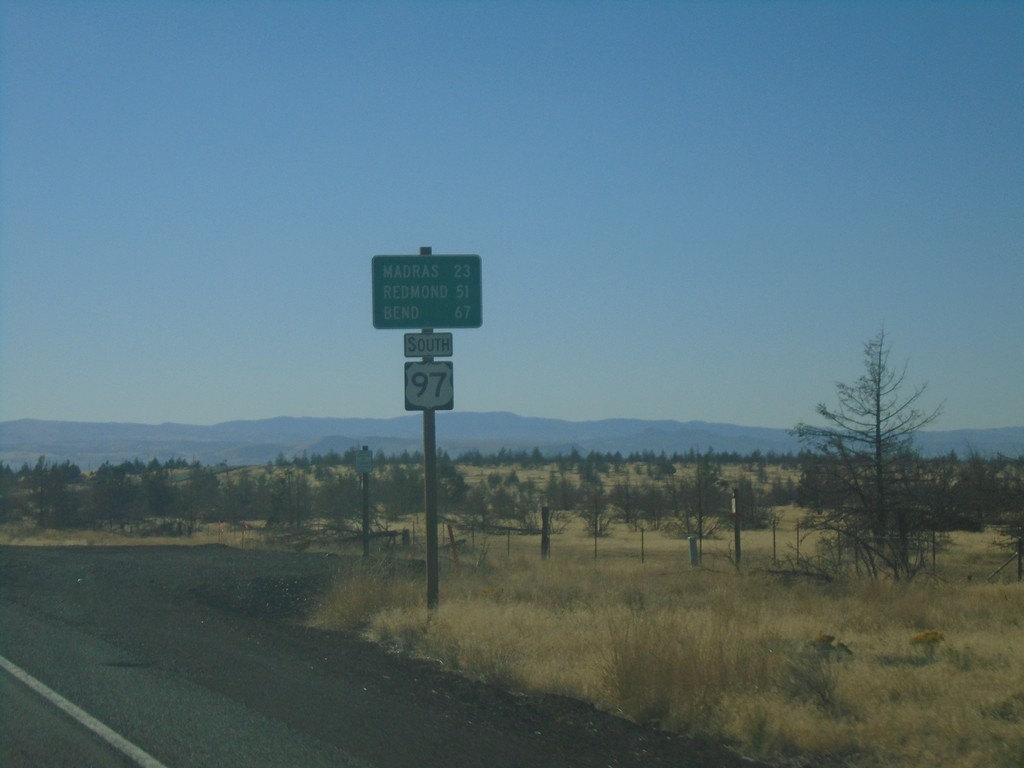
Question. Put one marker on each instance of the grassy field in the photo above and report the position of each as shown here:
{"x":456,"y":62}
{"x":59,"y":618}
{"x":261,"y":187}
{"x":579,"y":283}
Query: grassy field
{"x":793,"y":669}
{"x":788,"y":667}
{"x":28,"y":535}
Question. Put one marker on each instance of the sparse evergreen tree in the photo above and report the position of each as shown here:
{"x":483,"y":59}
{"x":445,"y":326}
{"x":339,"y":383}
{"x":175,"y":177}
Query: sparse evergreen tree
{"x":198,"y":500}
{"x":864,"y":476}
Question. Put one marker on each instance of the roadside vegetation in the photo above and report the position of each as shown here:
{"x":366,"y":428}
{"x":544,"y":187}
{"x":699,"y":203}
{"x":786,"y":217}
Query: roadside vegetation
{"x":857,"y":604}
{"x":798,"y":653}
{"x":784,"y":664}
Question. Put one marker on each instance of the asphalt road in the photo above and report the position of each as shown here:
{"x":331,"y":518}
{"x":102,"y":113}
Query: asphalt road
{"x":34,"y":732}
{"x":168,"y":716}
{"x":193,"y":656}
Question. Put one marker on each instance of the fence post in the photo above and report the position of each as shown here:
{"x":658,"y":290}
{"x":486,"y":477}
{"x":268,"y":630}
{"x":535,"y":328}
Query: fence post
{"x":694,"y":552}
{"x":736,"y":523}
{"x":455,"y":546}
{"x":364,"y":478}
{"x":545,"y":532}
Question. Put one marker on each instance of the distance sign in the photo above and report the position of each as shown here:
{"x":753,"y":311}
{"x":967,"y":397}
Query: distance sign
{"x":427,"y":292}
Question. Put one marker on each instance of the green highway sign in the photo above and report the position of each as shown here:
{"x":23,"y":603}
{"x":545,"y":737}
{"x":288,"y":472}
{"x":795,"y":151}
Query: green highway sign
{"x":427,"y":291}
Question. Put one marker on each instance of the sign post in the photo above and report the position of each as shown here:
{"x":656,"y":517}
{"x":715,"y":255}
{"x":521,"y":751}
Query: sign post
{"x":428,"y":292}
{"x":430,"y":504}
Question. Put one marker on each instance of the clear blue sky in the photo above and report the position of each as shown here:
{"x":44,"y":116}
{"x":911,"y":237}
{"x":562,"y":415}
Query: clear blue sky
{"x":683,"y":210}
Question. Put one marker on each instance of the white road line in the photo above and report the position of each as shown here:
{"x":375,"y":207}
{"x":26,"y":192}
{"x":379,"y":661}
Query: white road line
{"x":114,"y":739}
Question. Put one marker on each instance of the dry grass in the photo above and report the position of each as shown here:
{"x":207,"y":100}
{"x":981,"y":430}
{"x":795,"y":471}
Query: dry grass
{"x":851,"y":673}
{"x":26,"y":534}
{"x":784,"y":667}
{"x":362,"y":592}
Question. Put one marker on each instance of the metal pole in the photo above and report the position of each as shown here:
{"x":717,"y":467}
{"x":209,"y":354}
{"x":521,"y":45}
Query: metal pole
{"x":430,"y":503}
{"x":430,"y":488}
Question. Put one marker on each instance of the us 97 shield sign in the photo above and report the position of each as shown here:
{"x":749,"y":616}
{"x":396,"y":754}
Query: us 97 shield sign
{"x":429,"y":386}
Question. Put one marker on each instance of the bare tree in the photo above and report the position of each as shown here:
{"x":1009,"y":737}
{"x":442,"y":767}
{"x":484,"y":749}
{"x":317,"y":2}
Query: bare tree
{"x":624,"y":497}
{"x":593,"y":508}
{"x":864,"y":479}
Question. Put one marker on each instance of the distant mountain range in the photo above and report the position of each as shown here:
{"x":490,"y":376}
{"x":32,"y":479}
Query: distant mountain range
{"x":255,"y":442}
